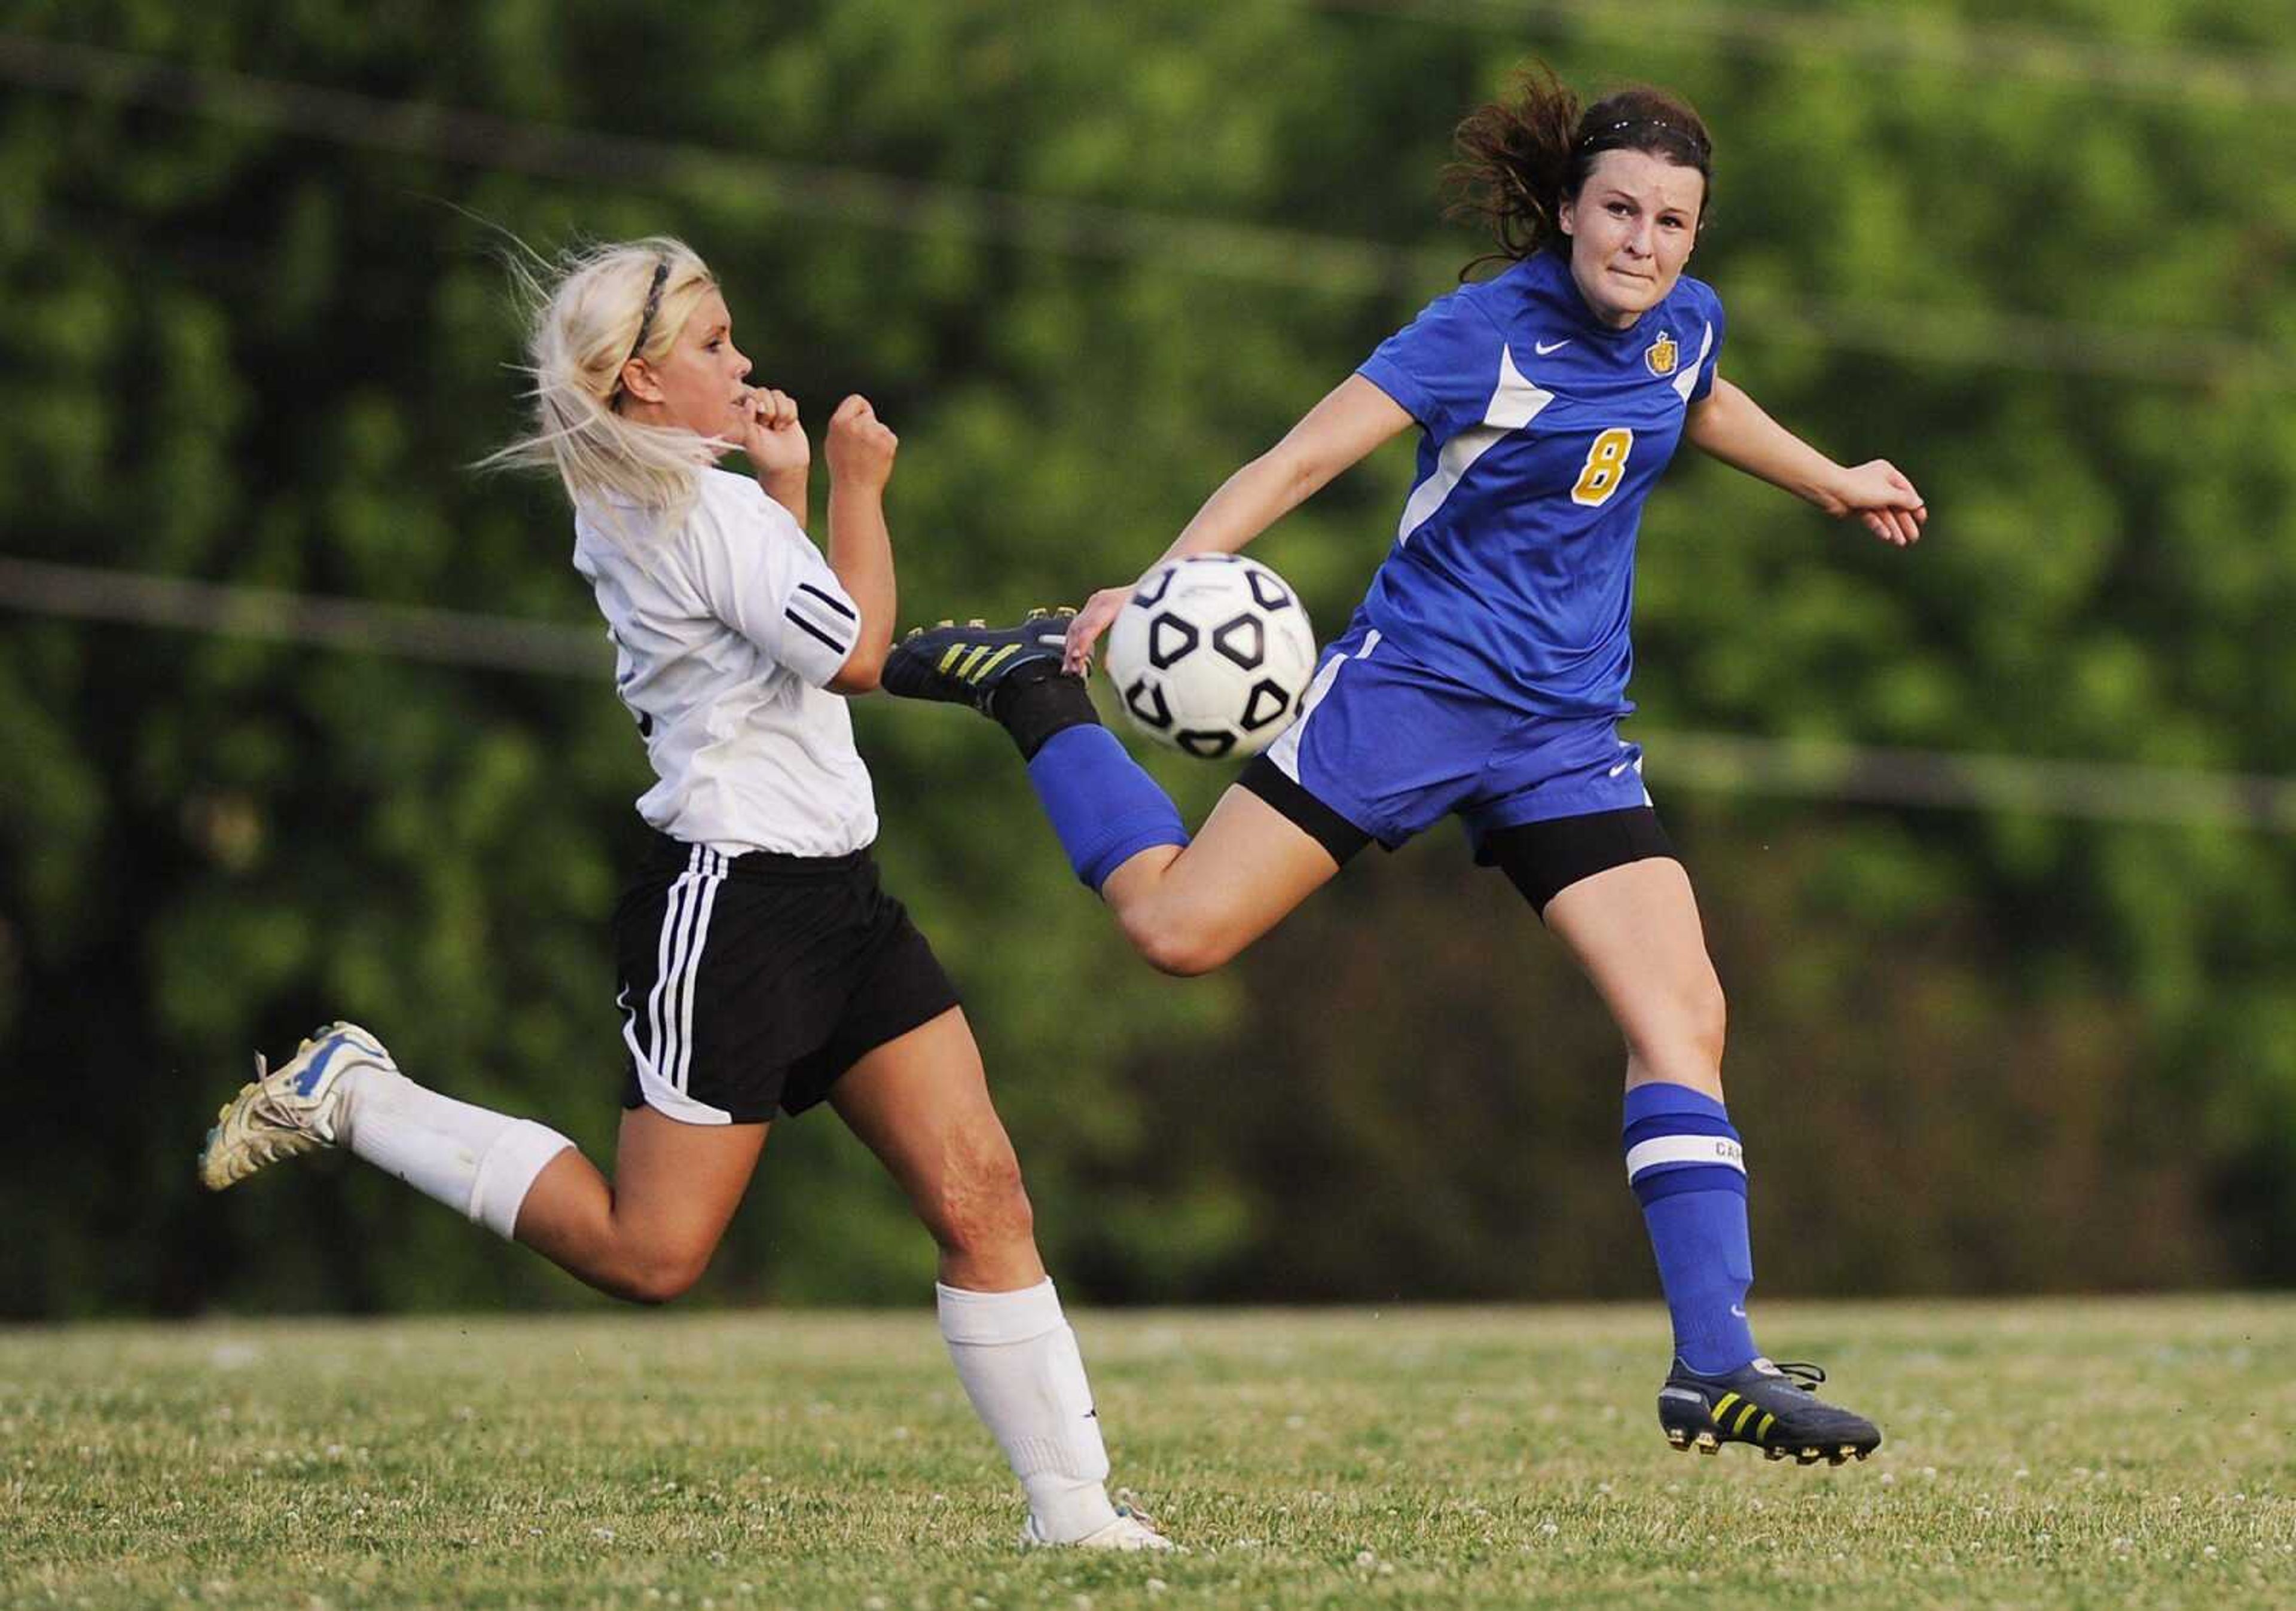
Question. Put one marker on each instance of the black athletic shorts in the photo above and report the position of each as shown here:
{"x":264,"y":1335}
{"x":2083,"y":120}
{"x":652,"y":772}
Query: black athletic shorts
{"x":1541,"y":859}
{"x":753,"y":982}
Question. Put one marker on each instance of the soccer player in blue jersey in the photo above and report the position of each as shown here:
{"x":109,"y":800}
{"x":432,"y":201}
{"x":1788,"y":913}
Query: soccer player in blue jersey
{"x":1485,"y":673}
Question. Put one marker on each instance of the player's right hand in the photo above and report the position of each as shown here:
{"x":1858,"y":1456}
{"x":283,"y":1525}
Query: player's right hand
{"x":771,"y":434}
{"x":1099,"y":611}
{"x":861,"y":446}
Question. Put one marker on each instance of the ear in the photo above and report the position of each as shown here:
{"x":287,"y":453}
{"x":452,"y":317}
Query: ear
{"x":639,"y":382}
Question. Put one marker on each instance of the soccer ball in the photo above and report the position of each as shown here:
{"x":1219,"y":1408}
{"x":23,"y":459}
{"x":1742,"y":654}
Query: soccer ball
{"x":1212,"y":655}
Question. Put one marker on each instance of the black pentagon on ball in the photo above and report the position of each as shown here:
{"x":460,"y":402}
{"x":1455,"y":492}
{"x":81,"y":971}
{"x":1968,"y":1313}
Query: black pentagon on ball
{"x":1156,"y":589}
{"x":1243,"y":640}
{"x":1266,"y":592}
{"x":1146,"y":703}
{"x":1208,"y":745}
{"x":1268,"y":702}
{"x":1169,"y":638}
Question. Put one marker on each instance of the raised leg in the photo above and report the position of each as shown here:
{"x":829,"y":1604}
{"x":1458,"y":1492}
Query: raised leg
{"x":1189,"y":908}
{"x":648,"y":1234}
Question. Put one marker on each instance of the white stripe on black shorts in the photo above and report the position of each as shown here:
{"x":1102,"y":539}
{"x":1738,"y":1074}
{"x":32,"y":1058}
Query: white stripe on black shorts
{"x":751,"y":983}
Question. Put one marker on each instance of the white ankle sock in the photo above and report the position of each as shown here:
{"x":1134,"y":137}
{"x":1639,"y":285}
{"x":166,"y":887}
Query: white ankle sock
{"x":1018,"y":1362}
{"x":477,"y":1162}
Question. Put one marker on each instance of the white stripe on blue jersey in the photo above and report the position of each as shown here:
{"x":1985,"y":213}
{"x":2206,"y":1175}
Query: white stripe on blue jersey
{"x":1543,"y":429}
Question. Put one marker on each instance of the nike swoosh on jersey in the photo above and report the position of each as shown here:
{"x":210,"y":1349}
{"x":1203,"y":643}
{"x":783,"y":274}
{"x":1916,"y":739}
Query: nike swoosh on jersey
{"x":1543,"y":347}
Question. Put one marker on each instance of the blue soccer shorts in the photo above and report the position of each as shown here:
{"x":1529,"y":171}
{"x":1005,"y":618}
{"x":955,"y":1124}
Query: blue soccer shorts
{"x":1383,"y":748}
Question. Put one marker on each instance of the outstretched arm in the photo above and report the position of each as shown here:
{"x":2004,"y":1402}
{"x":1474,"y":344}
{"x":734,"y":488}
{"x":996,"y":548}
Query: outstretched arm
{"x":1731,"y":426}
{"x":1354,"y":417}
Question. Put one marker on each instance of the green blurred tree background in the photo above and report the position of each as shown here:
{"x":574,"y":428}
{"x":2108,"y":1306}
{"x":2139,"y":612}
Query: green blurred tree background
{"x":1087,"y":260}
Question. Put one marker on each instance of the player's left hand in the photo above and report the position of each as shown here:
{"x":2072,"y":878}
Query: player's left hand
{"x":1878,"y":494}
{"x":772,"y":437}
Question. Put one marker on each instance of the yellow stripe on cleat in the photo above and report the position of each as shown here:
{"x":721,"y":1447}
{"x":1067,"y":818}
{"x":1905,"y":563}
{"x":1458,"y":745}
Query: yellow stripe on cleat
{"x":1763,"y":1430}
{"x":964,"y":672}
{"x":1722,"y":1406}
{"x":1744,"y":1416}
{"x":949,"y":659}
{"x":994,"y":661}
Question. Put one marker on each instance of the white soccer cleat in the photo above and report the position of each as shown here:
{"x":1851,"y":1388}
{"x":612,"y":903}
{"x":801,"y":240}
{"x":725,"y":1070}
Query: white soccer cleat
{"x":293,"y":1111}
{"x":1129,"y":1531}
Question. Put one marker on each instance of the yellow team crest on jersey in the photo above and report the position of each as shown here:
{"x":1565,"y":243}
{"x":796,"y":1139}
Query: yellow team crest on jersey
{"x":1663,"y":354}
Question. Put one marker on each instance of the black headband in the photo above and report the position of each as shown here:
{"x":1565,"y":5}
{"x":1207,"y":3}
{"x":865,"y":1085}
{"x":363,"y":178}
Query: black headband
{"x":1690,"y":138}
{"x":645,"y":320}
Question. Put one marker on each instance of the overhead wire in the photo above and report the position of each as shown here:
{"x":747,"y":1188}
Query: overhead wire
{"x":1723,"y":763}
{"x":1919,"y":37}
{"x":448,"y":637}
{"x":1731,"y":762}
{"x":1336,"y":263}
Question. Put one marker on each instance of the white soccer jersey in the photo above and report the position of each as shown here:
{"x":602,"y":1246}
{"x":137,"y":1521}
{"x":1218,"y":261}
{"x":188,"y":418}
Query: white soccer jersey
{"x":726,"y":632}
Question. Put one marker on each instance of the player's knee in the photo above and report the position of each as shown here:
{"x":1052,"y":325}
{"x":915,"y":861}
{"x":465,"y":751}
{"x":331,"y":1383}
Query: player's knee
{"x":1700,"y":1022}
{"x":1680,"y":1037}
{"x":1176,"y":940}
{"x":983,"y":1205}
{"x":658,"y":1275}
{"x":1709,"y":1013}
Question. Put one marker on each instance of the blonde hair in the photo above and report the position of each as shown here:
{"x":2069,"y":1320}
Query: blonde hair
{"x":589,"y":310}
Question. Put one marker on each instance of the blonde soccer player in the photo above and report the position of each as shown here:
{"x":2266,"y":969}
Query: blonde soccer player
{"x":764,"y":968}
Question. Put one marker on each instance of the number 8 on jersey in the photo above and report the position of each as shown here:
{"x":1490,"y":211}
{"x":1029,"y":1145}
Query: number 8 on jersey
{"x":1605,"y":467}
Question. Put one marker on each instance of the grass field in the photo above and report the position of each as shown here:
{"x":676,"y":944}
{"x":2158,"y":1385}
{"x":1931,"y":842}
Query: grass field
{"x":2095,"y":1453}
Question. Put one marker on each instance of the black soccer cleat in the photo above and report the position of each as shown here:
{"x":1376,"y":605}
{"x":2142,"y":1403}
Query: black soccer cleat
{"x":967,"y":665}
{"x":1775,"y":1408}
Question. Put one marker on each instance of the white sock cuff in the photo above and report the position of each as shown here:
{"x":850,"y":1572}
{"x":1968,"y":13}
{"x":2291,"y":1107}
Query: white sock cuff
{"x":999,"y":1317}
{"x":507,"y":1171}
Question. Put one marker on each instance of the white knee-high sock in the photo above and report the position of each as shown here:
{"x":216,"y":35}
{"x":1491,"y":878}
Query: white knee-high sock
{"x":477,"y":1162}
{"x":1018,"y":1362}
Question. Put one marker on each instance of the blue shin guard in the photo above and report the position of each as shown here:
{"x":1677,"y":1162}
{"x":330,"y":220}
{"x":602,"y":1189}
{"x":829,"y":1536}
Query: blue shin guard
{"x":1104,"y":809}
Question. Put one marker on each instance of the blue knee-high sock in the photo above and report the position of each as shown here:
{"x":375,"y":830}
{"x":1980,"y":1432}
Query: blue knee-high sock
{"x":1102,"y":806}
{"x":1686,"y":1165}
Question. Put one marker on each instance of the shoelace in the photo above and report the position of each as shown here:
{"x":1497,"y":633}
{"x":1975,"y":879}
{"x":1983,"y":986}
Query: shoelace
{"x":1805,"y":1376}
{"x":266,"y":1105}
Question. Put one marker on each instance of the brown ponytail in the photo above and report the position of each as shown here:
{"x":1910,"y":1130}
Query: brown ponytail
{"x":1522,"y":157}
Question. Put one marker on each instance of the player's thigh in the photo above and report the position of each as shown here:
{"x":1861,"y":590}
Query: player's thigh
{"x":1635,"y":930}
{"x":675,"y":1185}
{"x":920,"y":1102}
{"x":1244,"y":871}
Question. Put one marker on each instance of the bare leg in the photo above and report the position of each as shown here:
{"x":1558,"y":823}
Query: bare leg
{"x":920,"y":1104}
{"x":1190,"y":908}
{"x":648,"y":1234}
{"x":1635,"y":929}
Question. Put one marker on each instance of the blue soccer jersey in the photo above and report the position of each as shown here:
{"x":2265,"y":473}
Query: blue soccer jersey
{"x":1544,"y":430}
